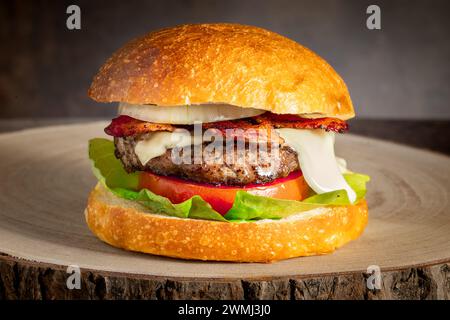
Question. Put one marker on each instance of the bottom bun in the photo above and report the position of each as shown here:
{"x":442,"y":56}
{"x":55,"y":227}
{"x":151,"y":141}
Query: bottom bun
{"x":128,"y":225}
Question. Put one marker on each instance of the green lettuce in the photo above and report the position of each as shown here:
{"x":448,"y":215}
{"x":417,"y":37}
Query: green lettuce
{"x":246,"y":207}
{"x":251,"y":207}
{"x":107,"y":168}
{"x":193,"y":208}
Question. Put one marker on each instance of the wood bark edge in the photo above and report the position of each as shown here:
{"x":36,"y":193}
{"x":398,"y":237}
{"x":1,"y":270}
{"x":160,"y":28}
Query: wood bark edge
{"x":22,"y":279}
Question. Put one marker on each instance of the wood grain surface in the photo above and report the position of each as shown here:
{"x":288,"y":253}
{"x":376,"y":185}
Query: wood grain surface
{"x":46,"y":178}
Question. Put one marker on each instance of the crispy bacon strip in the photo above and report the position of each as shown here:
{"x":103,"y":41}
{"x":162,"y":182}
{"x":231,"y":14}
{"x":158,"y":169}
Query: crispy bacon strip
{"x":124,"y":126}
{"x":246,"y":129}
{"x":294,"y":121}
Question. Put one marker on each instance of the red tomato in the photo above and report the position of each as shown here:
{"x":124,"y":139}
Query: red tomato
{"x":221,"y":198}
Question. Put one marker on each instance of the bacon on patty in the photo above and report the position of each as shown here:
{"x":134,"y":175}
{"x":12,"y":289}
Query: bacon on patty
{"x":129,"y":131}
{"x":125,"y":126}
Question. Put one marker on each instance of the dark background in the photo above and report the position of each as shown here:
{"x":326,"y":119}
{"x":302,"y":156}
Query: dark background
{"x":400,"y":71}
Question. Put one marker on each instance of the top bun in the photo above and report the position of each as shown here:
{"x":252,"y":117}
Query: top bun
{"x":223,"y":63}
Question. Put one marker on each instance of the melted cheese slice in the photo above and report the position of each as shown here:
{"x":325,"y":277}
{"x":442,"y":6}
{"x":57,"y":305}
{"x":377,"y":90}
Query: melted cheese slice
{"x":315,"y":150}
{"x":158,"y":142}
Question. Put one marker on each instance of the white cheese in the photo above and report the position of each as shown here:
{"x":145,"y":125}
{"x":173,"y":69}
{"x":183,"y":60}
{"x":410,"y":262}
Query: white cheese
{"x":158,"y":142}
{"x":186,"y":114}
{"x":315,"y":150}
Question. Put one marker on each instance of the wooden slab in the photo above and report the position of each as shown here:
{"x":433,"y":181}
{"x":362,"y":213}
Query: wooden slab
{"x":46,"y":178}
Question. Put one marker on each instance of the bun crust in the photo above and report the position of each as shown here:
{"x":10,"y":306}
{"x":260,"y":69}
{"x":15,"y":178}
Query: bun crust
{"x":230,"y":64}
{"x":125,"y":224}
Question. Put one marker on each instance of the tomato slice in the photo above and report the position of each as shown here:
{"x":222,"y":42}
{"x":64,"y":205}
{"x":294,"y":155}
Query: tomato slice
{"x":221,"y":198}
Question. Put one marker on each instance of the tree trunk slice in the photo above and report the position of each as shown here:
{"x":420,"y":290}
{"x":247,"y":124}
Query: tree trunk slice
{"x":46,"y":178}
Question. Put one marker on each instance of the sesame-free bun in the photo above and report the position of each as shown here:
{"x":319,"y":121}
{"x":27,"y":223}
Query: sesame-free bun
{"x":230,"y":64}
{"x":125,"y":224}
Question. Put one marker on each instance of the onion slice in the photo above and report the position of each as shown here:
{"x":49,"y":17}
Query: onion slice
{"x":187,"y":114}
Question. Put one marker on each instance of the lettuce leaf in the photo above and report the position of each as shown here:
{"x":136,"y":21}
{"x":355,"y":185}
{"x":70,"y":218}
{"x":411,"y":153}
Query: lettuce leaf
{"x":246,"y":207}
{"x":251,"y":207}
{"x":108,"y":168}
{"x":193,"y":208}
{"x":357,"y":182}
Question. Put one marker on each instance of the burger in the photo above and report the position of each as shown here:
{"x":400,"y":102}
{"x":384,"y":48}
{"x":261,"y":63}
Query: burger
{"x":223,"y":148}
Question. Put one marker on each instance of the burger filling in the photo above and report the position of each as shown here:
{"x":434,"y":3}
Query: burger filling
{"x":233,"y":169}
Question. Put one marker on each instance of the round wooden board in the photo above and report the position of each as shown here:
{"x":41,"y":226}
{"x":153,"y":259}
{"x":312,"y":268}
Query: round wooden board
{"x":46,"y":178}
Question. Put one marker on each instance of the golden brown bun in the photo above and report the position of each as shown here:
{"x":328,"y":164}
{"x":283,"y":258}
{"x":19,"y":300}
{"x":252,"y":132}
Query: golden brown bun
{"x":231,"y":64}
{"x":125,"y":224}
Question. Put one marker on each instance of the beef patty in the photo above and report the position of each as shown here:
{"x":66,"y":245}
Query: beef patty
{"x":222,"y":170}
